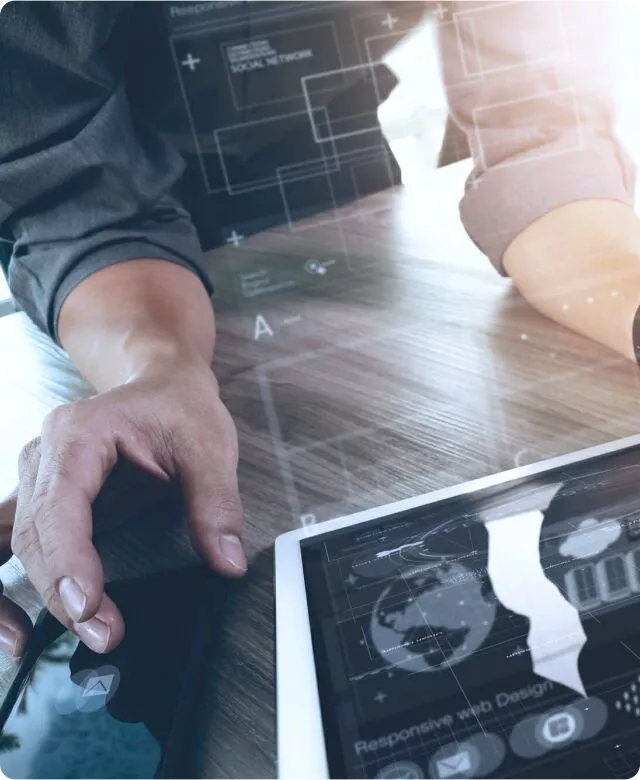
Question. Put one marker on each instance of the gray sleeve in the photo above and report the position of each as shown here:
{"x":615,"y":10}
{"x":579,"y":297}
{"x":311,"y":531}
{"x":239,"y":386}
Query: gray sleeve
{"x":530,"y":84}
{"x":81,"y":186}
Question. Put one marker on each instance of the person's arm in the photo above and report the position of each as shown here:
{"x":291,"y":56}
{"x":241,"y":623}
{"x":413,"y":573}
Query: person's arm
{"x":133,"y":317}
{"x":84,"y":184}
{"x":550,"y":198}
{"x":106,"y":260}
{"x":580,"y":265}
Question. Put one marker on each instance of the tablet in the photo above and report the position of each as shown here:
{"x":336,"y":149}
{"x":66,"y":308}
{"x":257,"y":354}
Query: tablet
{"x":486,"y":630}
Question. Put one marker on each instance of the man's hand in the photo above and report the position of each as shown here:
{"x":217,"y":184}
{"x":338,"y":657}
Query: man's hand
{"x":168,"y":420}
{"x":14,"y":623}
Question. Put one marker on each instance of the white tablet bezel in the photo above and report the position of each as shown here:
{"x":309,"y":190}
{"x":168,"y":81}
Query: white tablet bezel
{"x":300,"y":736}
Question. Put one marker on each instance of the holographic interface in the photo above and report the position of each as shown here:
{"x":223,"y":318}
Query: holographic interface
{"x":490,"y":635}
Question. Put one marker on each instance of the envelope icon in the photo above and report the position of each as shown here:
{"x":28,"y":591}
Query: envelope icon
{"x":457,"y":765}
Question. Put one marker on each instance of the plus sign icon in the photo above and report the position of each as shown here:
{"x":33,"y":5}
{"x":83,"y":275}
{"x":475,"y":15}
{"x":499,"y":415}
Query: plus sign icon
{"x":234,"y":238}
{"x":190,"y":62}
{"x":389,"y":22}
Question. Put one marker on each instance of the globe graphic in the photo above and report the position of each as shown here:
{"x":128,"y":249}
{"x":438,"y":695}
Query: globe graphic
{"x":432,"y":617}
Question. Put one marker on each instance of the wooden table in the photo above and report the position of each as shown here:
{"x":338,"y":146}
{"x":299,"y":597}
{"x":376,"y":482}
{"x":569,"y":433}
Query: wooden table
{"x":407,"y":365}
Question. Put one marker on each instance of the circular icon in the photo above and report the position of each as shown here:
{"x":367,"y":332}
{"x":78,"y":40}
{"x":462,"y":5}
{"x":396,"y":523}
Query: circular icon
{"x":401,"y":769}
{"x":422,"y":624}
{"x":315,"y":267}
{"x":559,"y":728}
{"x":88,"y":690}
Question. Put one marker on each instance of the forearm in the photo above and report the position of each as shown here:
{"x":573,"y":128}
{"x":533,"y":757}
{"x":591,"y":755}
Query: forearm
{"x":129,"y":317}
{"x":580,"y":266}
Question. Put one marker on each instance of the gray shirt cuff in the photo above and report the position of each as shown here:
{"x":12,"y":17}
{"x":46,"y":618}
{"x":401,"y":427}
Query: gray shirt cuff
{"x":501,"y":203}
{"x":103,"y":257}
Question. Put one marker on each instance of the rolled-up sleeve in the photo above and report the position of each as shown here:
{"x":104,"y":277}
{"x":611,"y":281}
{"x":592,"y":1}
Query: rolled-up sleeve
{"x":82,"y":184}
{"x":530,"y":84}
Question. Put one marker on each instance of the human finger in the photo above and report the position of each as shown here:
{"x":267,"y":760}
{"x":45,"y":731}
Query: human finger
{"x":209,"y":480}
{"x":7,"y":517}
{"x":52,"y":533}
{"x":15,"y":627}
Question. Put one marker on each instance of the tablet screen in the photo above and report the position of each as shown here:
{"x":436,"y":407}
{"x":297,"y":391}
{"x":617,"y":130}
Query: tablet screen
{"x":496,"y":634}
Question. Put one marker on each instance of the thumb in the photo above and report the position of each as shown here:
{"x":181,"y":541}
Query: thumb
{"x":215,"y":514}
{"x":7,"y":516}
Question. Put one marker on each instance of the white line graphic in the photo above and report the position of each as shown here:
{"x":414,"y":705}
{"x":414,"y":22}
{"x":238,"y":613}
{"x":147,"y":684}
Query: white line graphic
{"x":556,"y":636}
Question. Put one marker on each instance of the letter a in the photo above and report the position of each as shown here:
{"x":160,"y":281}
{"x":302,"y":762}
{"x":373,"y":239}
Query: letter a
{"x":262,"y":326}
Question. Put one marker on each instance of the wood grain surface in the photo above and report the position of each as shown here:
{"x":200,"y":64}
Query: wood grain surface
{"x":408,"y":365}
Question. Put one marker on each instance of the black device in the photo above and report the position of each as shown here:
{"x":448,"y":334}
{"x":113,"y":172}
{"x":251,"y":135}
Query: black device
{"x":129,"y":713}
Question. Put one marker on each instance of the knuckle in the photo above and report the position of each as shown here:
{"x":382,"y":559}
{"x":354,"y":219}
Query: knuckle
{"x":228,"y":439}
{"x":217,"y":446}
{"x":36,"y":519}
{"x":163,"y":443}
{"x":24,"y":541}
{"x":61,"y":462}
{"x":39,"y":500}
{"x":28,"y":454}
{"x":228,"y":507}
{"x":50,"y":533}
{"x":60,"y":417}
{"x":112,"y":419}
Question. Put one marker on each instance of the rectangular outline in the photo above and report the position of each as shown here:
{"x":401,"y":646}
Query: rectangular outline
{"x":326,"y":172}
{"x":377,"y":153}
{"x":338,"y":136}
{"x":468,"y":17}
{"x":533,"y":157}
{"x":464,"y":50}
{"x":206,"y":27}
{"x":379,"y":62}
{"x":307,"y":174}
{"x":354,"y":30}
{"x":174,"y":56}
{"x":192,"y":124}
{"x":232,"y":21}
{"x":284,"y":451}
{"x":368,"y":212}
{"x":608,"y":596}
{"x":464,"y":81}
{"x":285,"y":203}
{"x":380,"y":37}
{"x":271,"y":181}
{"x":289,"y":98}
{"x":572,"y":587}
{"x":334,"y":136}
